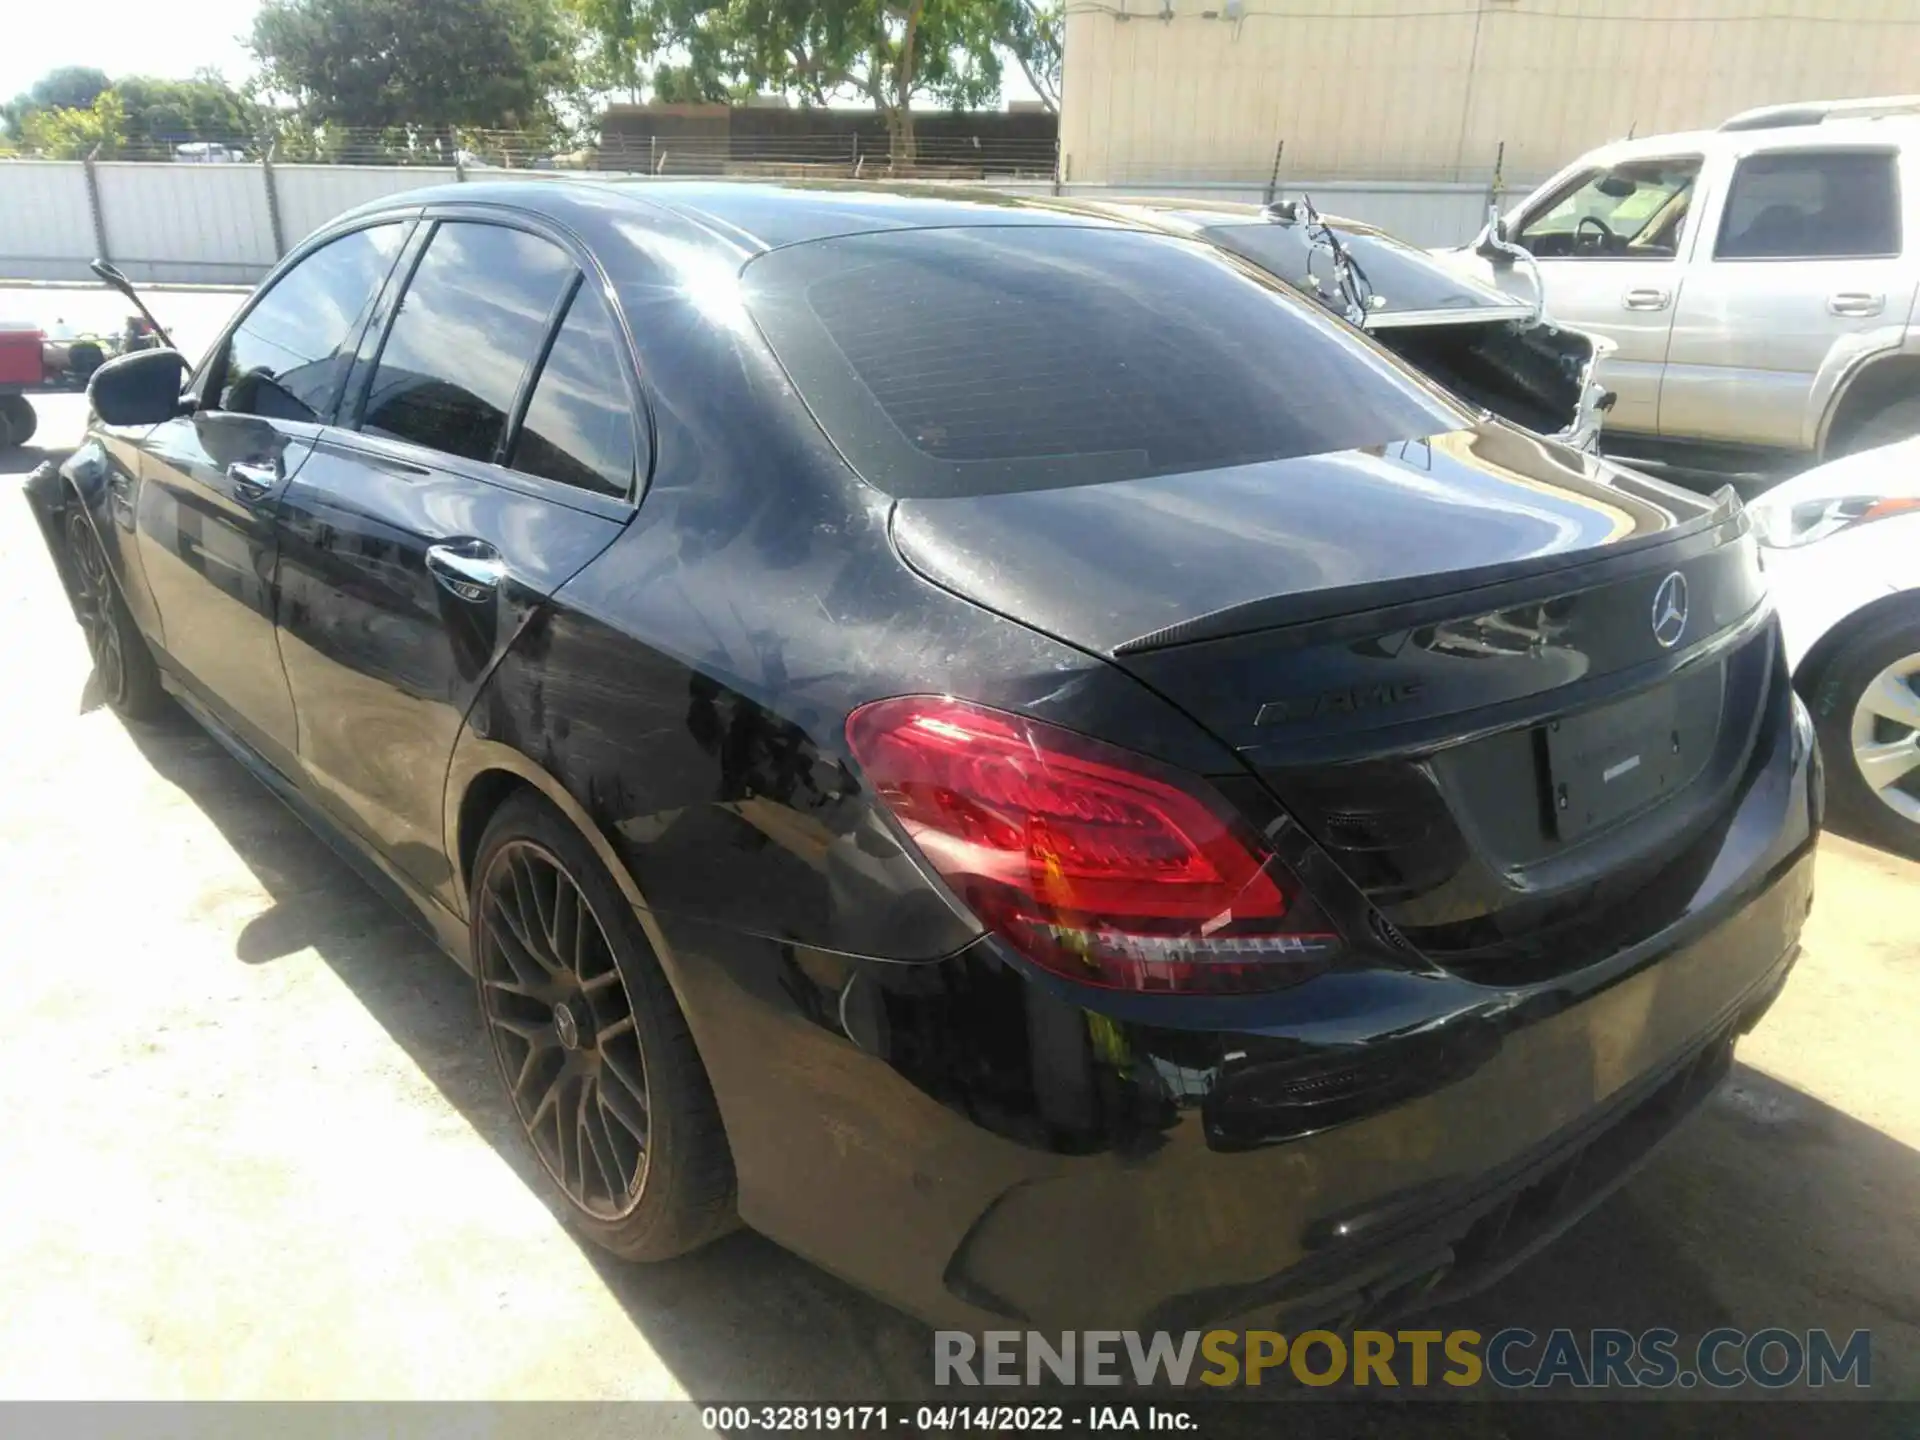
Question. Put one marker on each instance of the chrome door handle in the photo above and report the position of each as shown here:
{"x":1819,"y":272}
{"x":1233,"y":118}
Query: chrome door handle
{"x":1647,"y":298}
{"x":1856,"y":303}
{"x":469,"y":569}
{"x":251,"y":481}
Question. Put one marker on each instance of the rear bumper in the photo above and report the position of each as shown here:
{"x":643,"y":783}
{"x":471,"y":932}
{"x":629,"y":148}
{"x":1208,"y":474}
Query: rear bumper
{"x":1415,"y":1252}
{"x":980,"y":1148}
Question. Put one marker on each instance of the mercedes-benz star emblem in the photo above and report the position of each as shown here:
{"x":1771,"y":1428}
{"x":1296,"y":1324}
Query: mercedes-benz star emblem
{"x":1670,"y":610}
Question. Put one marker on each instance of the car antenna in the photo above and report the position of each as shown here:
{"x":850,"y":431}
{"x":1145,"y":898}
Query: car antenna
{"x":1351,"y":287}
{"x":111,"y":274}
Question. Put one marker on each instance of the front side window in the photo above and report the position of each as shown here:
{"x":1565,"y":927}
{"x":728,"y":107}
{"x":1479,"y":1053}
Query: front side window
{"x":578,"y":428}
{"x":469,"y":326}
{"x":1636,"y":210}
{"x":1812,"y":204}
{"x":286,"y":360}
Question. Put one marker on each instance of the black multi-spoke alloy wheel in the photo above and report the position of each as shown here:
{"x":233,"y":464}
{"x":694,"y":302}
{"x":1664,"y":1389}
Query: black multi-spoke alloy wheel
{"x":591,"y":1045}
{"x":123,"y":666}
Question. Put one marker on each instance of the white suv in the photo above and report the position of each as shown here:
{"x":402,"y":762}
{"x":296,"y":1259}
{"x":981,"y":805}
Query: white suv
{"x":1758,"y":280}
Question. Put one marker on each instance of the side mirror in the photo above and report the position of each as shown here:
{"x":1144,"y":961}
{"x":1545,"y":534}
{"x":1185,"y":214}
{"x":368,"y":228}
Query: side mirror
{"x":113,"y":277}
{"x":138,"y":389}
{"x":1493,"y":244}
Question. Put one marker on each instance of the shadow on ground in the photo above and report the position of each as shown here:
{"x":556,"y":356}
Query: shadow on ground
{"x":1771,"y":1209}
{"x":741,"y":1308}
{"x":23,"y":459}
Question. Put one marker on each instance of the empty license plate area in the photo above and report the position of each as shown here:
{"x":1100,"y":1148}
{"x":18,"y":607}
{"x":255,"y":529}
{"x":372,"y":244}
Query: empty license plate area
{"x":1605,"y":764}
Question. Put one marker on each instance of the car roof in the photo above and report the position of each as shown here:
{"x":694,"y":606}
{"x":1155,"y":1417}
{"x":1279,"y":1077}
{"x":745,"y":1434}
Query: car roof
{"x":748,"y":217}
{"x":1897,"y":130}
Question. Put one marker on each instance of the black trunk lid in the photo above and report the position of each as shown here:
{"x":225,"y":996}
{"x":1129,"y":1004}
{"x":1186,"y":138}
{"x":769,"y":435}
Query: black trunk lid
{"x":1512,"y":693}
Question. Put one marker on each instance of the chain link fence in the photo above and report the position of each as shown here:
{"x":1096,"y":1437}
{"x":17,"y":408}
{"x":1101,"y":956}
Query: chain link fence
{"x":219,"y":212}
{"x":854,"y":156}
{"x":935,"y":156}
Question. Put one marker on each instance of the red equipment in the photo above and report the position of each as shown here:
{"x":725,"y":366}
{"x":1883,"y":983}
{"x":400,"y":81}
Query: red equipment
{"x":20,"y":358}
{"x":22,"y":367}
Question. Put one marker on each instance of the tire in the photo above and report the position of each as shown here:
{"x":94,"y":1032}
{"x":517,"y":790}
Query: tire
{"x":19,"y":418}
{"x":123,"y":664}
{"x":1886,"y":653}
{"x":1884,"y":426}
{"x":82,"y":360}
{"x":646,"y":1173}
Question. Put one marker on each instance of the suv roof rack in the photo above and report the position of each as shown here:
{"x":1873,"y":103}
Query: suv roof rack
{"x":1814,"y":112}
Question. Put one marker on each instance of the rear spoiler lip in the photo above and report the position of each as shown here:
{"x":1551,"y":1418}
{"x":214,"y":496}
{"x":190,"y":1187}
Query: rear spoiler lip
{"x":1580,"y":569}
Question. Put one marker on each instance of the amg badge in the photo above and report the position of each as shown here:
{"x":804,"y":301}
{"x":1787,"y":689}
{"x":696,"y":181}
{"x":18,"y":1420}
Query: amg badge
{"x":1349,"y":700}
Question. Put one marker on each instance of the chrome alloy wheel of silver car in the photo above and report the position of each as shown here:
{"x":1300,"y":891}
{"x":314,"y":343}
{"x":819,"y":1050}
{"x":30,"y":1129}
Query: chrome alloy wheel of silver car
{"x":1886,"y":737}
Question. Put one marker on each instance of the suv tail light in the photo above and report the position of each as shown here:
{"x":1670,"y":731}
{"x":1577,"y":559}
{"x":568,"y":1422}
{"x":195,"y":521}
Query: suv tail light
{"x":1098,"y":864}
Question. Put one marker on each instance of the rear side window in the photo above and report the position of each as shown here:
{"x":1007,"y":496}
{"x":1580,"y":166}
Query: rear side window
{"x":286,"y":360}
{"x":969,"y":361}
{"x":578,"y":428}
{"x":1811,"y":204}
{"x":469,"y":327}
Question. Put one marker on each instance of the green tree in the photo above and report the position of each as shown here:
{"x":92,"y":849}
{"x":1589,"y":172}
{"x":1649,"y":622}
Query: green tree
{"x":75,"y":133}
{"x":417,"y":65}
{"x":71,"y":87}
{"x":1034,"y":38}
{"x":890,"y":52}
{"x":620,"y":38}
{"x":160,"y":113}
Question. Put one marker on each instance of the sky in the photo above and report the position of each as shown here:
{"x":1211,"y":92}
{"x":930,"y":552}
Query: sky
{"x":151,"y":37}
{"x":125,"y":37}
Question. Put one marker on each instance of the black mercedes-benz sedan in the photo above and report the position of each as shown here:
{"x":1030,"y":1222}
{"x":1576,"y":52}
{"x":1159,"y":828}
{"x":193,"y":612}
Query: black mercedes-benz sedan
{"x":1005,"y":749}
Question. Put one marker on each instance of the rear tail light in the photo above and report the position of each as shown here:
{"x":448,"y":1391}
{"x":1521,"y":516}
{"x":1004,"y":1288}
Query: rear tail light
{"x":1098,"y":864}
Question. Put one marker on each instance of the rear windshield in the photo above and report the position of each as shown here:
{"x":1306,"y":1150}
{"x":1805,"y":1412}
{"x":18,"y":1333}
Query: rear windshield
{"x":981,"y":360}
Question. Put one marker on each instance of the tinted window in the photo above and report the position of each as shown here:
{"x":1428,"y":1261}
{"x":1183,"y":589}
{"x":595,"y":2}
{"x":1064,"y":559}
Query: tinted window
{"x":470,"y":324}
{"x":1635,"y":210}
{"x":1809,"y":204}
{"x":965,"y":361}
{"x":578,"y":428}
{"x":287,"y":358}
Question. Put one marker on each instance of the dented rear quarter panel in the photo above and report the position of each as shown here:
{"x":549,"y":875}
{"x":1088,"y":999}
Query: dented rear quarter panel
{"x":688,"y":690}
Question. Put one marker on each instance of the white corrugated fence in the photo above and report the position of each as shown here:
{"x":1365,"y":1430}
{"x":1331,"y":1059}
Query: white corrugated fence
{"x":213,"y":224}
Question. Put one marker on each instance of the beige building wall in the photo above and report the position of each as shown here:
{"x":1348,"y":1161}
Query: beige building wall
{"x":1427,"y":89}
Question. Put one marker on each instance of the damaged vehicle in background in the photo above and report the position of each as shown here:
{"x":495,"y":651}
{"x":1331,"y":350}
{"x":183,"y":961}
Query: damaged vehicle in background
{"x":1758,"y":280}
{"x":1488,"y":348}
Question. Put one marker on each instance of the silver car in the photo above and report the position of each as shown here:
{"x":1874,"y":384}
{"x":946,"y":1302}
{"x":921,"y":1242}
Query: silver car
{"x":1758,"y":281}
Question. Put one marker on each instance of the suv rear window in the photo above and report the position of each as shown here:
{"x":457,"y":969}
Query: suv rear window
{"x":1812,"y":204}
{"x":987,"y":359}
